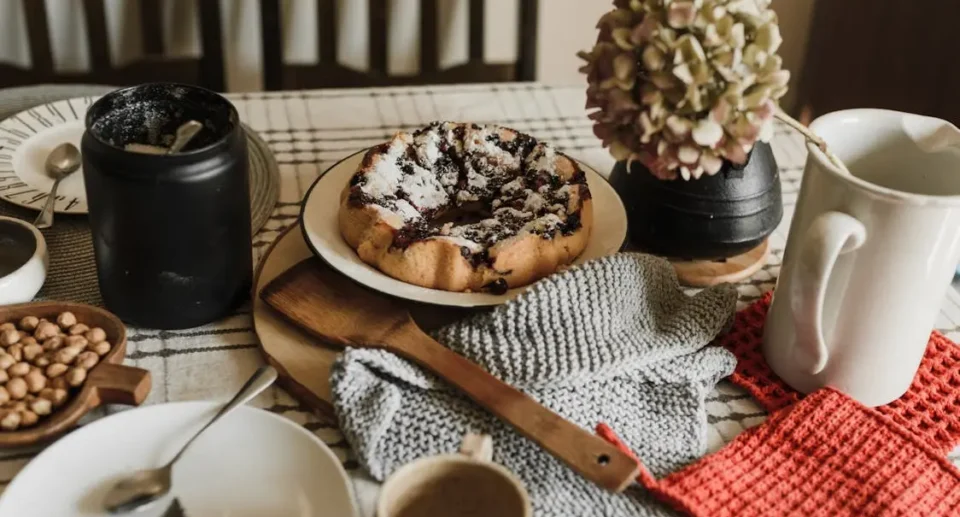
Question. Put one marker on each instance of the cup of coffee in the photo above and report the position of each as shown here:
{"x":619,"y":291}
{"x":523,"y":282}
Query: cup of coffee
{"x":468,"y":484}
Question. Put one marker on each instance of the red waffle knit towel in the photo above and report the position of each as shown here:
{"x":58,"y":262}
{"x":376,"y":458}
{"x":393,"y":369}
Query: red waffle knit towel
{"x":930,"y":408}
{"x":826,"y":455}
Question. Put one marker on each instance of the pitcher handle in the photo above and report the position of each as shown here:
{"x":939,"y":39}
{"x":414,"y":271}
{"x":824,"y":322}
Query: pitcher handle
{"x":830,"y":235}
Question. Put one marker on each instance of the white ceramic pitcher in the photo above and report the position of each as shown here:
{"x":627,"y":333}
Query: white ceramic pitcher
{"x":870,"y":255}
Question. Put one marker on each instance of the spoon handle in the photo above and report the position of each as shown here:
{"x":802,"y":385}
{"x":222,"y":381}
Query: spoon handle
{"x":45,"y":219}
{"x":259,"y":381}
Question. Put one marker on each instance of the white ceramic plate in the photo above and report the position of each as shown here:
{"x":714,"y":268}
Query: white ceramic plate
{"x":25,"y":141}
{"x":250,"y":464}
{"x":319,"y":220}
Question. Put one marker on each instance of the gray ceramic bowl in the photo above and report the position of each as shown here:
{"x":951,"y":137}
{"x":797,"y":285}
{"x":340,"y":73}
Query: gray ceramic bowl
{"x":23,"y":261}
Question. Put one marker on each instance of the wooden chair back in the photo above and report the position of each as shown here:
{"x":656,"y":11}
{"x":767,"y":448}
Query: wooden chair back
{"x":329,"y":73}
{"x":206,"y":71}
{"x":895,"y":56}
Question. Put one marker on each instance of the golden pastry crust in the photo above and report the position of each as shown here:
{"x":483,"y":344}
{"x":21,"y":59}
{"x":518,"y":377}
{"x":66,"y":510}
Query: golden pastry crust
{"x":461,"y":207}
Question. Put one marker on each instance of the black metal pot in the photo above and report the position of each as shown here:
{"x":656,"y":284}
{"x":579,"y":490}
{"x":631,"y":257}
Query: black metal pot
{"x":714,"y":217}
{"x":171,"y":233}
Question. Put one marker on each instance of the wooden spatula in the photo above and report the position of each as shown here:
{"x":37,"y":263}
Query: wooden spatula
{"x":344,"y":313}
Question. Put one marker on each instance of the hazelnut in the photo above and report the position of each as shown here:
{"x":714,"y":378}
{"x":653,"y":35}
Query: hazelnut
{"x":4,"y":395}
{"x":7,"y":326}
{"x":42,"y":361}
{"x":4,"y":377}
{"x":96,"y":335}
{"x":76,"y":376}
{"x":59,"y":397}
{"x":45,"y":330}
{"x":17,"y":388}
{"x":59,"y":383}
{"x":87,"y":360}
{"x":29,"y":323}
{"x":16,"y":405}
{"x":66,"y":320}
{"x":18,"y":370}
{"x":28,"y":340}
{"x":10,"y":421}
{"x":102,"y":348}
{"x":6,"y":361}
{"x":9,"y":337}
{"x":28,"y":418}
{"x":53,"y":343}
{"x":31,"y":352}
{"x":78,"y":329}
{"x":56,"y":369}
{"x":77,"y":341}
{"x":35,"y":381}
{"x":16,"y":352}
{"x":41,"y":406}
{"x":66,"y":355}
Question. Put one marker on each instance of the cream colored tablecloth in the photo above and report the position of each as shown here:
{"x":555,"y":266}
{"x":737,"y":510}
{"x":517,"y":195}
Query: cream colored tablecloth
{"x":309,"y":131}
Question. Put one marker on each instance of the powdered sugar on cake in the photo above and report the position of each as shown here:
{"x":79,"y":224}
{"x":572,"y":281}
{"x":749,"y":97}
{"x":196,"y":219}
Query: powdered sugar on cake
{"x":506,"y":178}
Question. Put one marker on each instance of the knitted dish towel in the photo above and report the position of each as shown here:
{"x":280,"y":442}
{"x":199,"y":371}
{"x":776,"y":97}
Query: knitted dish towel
{"x":825,"y":456}
{"x":930,"y":408}
{"x":614,"y":340}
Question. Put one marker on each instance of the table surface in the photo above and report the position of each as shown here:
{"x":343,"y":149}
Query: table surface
{"x":309,"y":131}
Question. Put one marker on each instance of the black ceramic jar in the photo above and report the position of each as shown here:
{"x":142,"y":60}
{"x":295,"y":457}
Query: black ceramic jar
{"x":714,"y":217}
{"x":171,"y":233}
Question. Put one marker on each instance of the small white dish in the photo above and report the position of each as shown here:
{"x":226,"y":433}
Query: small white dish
{"x":251,"y":464}
{"x":319,"y":222}
{"x":23,"y":261}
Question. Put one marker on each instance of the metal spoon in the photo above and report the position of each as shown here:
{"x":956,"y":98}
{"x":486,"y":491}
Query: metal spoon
{"x":147,"y":486}
{"x":63,"y":161}
{"x":185,"y":133}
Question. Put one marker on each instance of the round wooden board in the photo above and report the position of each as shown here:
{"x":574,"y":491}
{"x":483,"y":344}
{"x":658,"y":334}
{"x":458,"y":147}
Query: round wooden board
{"x":303,"y":363}
{"x":705,"y":273}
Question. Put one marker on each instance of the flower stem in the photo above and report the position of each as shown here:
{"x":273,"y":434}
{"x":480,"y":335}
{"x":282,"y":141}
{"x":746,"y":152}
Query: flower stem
{"x":811,"y":136}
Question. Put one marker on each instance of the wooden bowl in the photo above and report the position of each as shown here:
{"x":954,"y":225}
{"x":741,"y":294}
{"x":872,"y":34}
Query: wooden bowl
{"x":109,"y":382}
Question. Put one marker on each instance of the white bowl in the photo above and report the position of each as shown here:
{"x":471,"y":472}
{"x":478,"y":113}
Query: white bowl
{"x":23,"y":261}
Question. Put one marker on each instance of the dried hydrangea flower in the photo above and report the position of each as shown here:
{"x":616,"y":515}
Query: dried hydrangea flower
{"x":682,"y":85}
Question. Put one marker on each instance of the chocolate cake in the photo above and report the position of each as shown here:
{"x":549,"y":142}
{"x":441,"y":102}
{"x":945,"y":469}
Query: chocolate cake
{"x":466,"y":207}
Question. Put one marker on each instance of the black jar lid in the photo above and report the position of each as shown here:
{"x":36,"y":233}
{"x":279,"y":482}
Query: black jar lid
{"x":151,"y":113}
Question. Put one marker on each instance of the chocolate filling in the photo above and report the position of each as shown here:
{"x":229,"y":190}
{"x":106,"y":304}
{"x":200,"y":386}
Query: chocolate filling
{"x":487,"y":201}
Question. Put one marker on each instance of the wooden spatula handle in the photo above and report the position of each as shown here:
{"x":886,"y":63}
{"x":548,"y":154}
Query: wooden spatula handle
{"x":586,"y":453}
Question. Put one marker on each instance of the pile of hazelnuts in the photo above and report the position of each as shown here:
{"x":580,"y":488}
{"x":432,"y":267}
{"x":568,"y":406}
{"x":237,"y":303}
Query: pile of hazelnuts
{"x":40,"y":362}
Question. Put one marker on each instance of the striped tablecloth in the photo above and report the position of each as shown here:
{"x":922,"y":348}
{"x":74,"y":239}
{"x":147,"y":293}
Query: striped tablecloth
{"x":309,"y":131}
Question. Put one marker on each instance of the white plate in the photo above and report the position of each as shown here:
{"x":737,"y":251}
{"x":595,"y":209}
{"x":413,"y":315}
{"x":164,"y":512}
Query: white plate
{"x":251,"y":464}
{"x":25,"y":141}
{"x":319,"y":220}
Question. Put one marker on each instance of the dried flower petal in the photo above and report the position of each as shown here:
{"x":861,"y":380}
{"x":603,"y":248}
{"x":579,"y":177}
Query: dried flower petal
{"x":688,"y":154}
{"x":707,"y":133}
{"x":624,"y":67}
{"x":681,"y":13}
{"x":653,"y":59}
{"x":768,"y":38}
{"x":679,"y":128}
{"x":710,"y":162}
{"x":621,"y":37}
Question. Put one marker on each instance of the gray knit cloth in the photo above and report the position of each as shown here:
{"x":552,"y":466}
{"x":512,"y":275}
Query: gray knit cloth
{"x":614,"y":341}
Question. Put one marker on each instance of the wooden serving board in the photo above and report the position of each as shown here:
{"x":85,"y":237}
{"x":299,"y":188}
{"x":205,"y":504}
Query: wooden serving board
{"x":302,"y":361}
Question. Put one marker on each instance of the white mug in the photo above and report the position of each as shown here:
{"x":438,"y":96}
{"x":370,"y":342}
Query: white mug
{"x":870,"y":254}
{"x":467,"y":484}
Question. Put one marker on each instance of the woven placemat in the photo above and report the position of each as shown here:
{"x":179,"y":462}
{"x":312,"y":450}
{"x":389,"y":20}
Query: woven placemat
{"x":73,"y":275}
